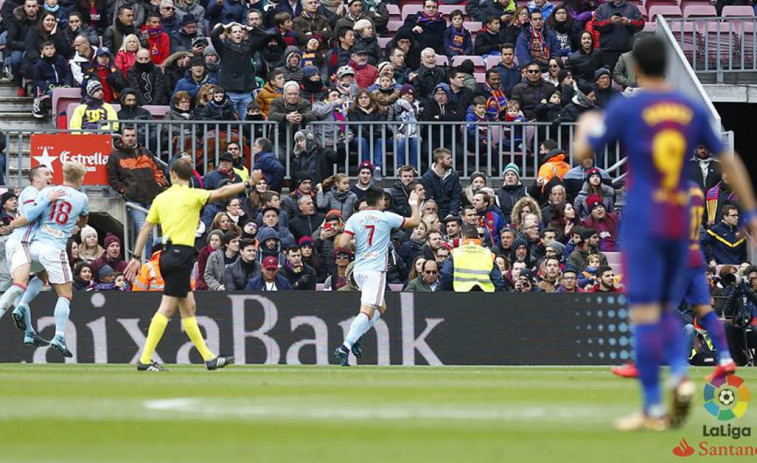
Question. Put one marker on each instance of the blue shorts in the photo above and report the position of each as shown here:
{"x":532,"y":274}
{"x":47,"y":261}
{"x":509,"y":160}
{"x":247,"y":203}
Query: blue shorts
{"x":698,"y":291}
{"x":655,"y":269}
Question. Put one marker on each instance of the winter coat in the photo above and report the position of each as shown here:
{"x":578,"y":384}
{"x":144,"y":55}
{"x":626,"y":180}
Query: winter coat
{"x":365,"y":75}
{"x":487,"y":42}
{"x":149,"y":82}
{"x":125,"y":60}
{"x":138,"y":113}
{"x":550,"y":46}
{"x":192,"y":7}
{"x":239,"y":273}
{"x":235,"y":75}
{"x":190,"y":85}
{"x":215,"y":270}
{"x":51,"y":73}
{"x":575,"y":179}
{"x":159,"y":44}
{"x":227,"y":12}
{"x":617,"y":37}
{"x":266,"y":96}
{"x":367,"y":131}
{"x":400,"y":200}
{"x":302,"y":280}
{"x":258,"y":284}
{"x":529,"y":95}
{"x":584,"y":65}
{"x":217,"y":112}
{"x":344,"y":202}
{"x":85,"y":30}
{"x":92,"y":114}
{"x":444,"y":190}
{"x":212,"y":180}
{"x":273,"y":170}
{"x":279,"y":110}
{"x":427,"y":80}
{"x":316,"y":160}
{"x":305,"y":225}
{"x":18,"y":26}
{"x":307,"y":28}
{"x":371,"y":46}
{"x":139,"y":8}
{"x":433,"y":32}
{"x":34,"y":49}
{"x":508,"y":196}
{"x":134,"y":173}
{"x":725,"y":244}
{"x":508,"y":78}
{"x":114,"y":35}
{"x":624,"y":73}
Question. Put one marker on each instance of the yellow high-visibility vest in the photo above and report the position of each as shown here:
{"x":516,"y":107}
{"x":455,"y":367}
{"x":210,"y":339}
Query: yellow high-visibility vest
{"x":473,"y":264}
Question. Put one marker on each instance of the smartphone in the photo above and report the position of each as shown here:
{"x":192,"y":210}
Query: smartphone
{"x":328,"y":226}
{"x":616,"y":14}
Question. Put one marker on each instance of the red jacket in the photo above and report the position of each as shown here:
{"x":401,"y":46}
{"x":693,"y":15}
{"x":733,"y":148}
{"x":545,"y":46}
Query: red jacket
{"x":607,"y":230}
{"x":159,"y":44}
{"x":365,"y":76}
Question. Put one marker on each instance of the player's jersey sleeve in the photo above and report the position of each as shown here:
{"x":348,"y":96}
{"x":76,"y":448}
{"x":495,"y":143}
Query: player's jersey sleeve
{"x":33,"y":210}
{"x":613,"y":122}
{"x":200,"y":195}
{"x":393,"y":220}
{"x":349,"y":227}
{"x":152,"y":215}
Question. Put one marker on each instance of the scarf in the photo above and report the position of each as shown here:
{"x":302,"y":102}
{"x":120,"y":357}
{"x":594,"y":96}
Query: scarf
{"x":370,"y":5}
{"x":340,"y":196}
{"x":495,"y":104}
{"x":312,"y":87}
{"x":355,"y":66}
{"x":424,"y":19}
{"x":539,"y":48}
{"x":154,"y":33}
{"x":288,"y":265}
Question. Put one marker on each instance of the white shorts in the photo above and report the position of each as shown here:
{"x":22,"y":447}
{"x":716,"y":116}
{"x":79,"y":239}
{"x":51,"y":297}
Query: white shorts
{"x":372,"y":286}
{"x":54,"y":261}
{"x":18,"y":254}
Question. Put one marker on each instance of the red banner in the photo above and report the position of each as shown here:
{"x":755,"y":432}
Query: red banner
{"x":92,"y":150}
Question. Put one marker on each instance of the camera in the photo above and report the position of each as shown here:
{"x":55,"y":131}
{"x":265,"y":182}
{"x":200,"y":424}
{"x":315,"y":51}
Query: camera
{"x":732,"y":279}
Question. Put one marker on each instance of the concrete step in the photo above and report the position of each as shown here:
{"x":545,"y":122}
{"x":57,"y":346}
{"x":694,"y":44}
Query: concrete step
{"x":15,"y":104}
{"x":7,"y":89}
{"x":22,"y":121}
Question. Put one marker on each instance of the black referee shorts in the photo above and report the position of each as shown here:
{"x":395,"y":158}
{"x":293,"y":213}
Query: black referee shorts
{"x":176,"y":264}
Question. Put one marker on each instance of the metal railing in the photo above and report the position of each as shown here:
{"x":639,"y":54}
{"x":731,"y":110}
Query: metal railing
{"x":476,"y":146}
{"x":130,"y":236}
{"x":714,"y":45}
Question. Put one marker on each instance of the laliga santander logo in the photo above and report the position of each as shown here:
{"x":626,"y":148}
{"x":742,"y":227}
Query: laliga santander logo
{"x":683,"y":449}
{"x":726,"y":398}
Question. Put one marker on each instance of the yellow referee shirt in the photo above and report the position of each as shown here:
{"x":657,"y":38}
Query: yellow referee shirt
{"x":177,"y":210}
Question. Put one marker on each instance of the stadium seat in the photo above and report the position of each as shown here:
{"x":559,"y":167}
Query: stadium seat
{"x":643,"y":11}
{"x":62,"y":97}
{"x":737,"y":10}
{"x":480,"y":77}
{"x":442,"y":60}
{"x":492,"y":61}
{"x":699,"y":10}
{"x":158,"y":111}
{"x":478,"y":61}
{"x":394,"y":26}
{"x":447,"y":10}
{"x":409,"y":10}
{"x":664,"y":10}
{"x":395,"y":14}
{"x":383,"y":42}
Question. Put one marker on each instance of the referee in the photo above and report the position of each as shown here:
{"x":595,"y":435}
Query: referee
{"x":177,"y":211}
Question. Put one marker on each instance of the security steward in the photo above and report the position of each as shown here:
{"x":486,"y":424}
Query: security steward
{"x":177,"y":211}
{"x":471,"y":266}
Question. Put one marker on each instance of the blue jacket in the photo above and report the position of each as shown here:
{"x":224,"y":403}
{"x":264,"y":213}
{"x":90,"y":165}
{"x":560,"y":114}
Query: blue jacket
{"x":257,"y":284}
{"x":189,"y":85}
{"x":273,"y":170}
{"x":213,"y":179}
{"x":229,"y":11}
{"x":725,"y":244}
{"x":445,"y":191}
{"x":508,"y":77}
{"x":617,"y":37}
{"x":523,"y":46}
{"x":54,"y":72}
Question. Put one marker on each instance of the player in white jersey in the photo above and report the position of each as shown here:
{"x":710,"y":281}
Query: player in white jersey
{"x":25,"y":288}
{"x":372,"y":229}
{"x":56,"y":224}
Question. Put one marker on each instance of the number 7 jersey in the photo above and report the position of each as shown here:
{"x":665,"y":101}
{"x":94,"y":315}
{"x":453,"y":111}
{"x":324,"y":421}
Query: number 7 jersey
{"x":57,"y":220}
{"x":657,"y":131}
{"x":372,"y":230}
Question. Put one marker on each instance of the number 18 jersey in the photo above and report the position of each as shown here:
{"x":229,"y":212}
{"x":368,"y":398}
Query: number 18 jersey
{"x":57,"y":220}
{"x":372,"y":230}
{"x":658,"y":131}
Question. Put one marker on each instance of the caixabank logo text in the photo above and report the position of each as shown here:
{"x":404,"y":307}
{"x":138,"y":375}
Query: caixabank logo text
{"x":727,"y":400}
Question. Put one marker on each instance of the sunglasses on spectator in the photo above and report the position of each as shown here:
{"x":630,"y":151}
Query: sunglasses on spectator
{"x":533,"y":71}
{"x":342,"y":256}
{"x":430,"y":272}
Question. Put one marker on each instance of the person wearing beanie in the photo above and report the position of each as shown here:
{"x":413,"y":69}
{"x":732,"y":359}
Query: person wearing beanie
{"x":212,"y":61}
{"x":477,"y":181}
{"x":92,"y":114}
{"x":132,"y":111}
{"x":312,"y":87}
{"x":111,"y":256}
{"x":309,"y":156}
{"x":589,"y":245}
{"x":9,"y":205}
{"x":183,"y":38}
{"x":605,"y":223}
{"x":556,"y":248}
{"x":603,"y":90}
{"x":365,"y":39}
{"x":364,"y":179}
{"x":512,"y":189}
{"x":89,"y":249}
{"x":303,"y":186}
{"x":593,"y":186}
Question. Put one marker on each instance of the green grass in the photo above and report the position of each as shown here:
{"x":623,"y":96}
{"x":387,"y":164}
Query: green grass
{"x":81,"y":413}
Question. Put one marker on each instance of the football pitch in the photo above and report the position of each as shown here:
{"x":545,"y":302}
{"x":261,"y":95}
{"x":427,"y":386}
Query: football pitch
{"x":86,"y":413}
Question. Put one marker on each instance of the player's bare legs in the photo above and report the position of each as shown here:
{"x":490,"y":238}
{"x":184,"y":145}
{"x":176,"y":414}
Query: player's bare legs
{"x":713,"y":325}
{"x":62,"y":310}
